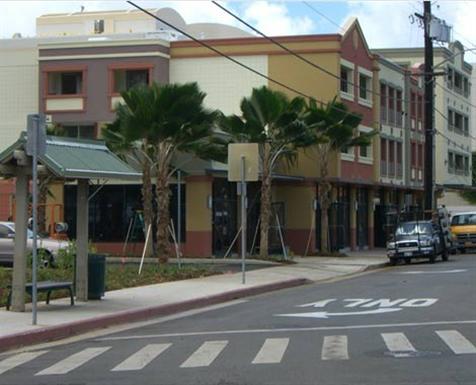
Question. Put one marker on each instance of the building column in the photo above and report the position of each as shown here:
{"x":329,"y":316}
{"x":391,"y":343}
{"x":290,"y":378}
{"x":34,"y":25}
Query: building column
{"x":199,"y":212}
{"x":82,"y":238}
{"x":371,"y":210}
{"x":19,"y":258}
{"x":353,"y":218}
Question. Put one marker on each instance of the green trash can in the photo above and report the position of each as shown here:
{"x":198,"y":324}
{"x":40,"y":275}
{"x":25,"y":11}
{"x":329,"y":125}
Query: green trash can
{"x":96,"y":276}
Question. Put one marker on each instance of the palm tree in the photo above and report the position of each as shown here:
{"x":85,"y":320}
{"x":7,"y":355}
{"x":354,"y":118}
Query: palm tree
{"x":168,"y":120}
{"x":335,"y":128}
{"x":273,"y":121}
{"x":128,"y":136}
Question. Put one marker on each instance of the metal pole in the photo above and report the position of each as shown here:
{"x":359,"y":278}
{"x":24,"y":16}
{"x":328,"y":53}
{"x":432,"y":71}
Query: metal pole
{"x":243,"y":220}
{"x":429,"y":90}
{"x":179,"y":215}
{"x":35,"y":224}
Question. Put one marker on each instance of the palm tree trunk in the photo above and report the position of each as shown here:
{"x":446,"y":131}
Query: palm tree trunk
{"x":163,"y":214}
{"x":265,"y":211}
{"x":147,"y":200}
{"x":324,"y":200}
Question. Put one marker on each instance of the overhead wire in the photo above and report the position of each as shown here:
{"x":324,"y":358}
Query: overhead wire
{"x":208,"y":46}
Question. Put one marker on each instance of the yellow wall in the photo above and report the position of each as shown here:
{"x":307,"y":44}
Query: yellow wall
{"x":298,"y":200}
{"x":199,"y":216}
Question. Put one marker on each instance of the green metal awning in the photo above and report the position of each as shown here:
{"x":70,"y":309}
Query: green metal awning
{"x":76,"y":159}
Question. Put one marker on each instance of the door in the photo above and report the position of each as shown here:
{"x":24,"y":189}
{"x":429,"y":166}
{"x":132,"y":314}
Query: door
{"x":224,"y":218}
{"x":362,"y":218}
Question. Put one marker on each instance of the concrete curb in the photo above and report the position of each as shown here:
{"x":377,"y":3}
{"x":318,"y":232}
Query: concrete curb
{"x":57,"y":332}
{"x":376,"y":266}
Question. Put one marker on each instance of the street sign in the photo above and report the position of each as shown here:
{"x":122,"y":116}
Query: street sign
{"x":250,"y":152}
{"x":36,"y":133}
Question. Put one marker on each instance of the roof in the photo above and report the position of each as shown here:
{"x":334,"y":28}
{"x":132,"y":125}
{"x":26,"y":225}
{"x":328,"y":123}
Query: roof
{"x":76,"y":159}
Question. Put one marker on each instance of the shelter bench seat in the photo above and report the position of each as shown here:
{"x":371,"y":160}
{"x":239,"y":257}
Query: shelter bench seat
{"x":44,"y":286}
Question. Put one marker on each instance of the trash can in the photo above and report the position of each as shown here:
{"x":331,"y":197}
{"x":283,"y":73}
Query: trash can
{"x":96,"y":276}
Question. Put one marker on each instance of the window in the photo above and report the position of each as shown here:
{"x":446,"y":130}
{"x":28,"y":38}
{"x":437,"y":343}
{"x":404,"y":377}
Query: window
{"x":391,"y":105}
{"x":383,"y":102}
{"x":364,"y":151}
{"x":420,"y":107}
{"x":383,"y":156}
{"x":449,"y":78}
{"x":79,"y":131}
{"x":458,"y":81}
{"x":450,"y":120}
{"x":466,"y":126}
{"x":399,"y":108}
{"x":391,"y":158}
{"x":399,"y":160}
{"x":364,"y":86}
{"x":458,"y":123}
{"x":124,"y":79}
{"x":459,"y":164}
{"x":413,"y":105}
{"x":98,"y":26}
{"x":345,"y":78}
{"x":451,"y":163}
{"x":413,"y":155}
{"x":466,"y":165}
{"x":466,"y":87}
{"x":420,"y":156}
{"x":65,"y":83}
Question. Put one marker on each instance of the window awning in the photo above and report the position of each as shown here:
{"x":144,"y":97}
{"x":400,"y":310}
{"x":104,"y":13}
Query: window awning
{"x":75,"y":159}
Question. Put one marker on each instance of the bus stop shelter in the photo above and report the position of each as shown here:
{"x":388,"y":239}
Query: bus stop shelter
{"x":67,"y":160}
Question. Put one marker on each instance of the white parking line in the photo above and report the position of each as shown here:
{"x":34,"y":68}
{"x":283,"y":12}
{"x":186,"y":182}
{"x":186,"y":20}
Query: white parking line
{"x":141,"y":358}
{"x":272,"y":351}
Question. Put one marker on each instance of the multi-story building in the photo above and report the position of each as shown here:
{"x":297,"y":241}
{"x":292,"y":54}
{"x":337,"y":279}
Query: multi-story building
{"x":401,"y":143}
{"x":76,"y":81}
{"x":452,"y":114}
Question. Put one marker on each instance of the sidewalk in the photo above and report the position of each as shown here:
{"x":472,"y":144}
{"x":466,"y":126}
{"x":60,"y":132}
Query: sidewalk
{"x":59,"y":320}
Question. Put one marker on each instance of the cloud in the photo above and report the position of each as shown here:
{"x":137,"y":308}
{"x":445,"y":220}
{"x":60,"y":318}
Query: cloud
{"x":274,"y":19}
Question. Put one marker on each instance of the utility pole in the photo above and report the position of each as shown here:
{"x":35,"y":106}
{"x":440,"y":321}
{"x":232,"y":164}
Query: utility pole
{"x":429,"y":100}
{"x":435,"y":29}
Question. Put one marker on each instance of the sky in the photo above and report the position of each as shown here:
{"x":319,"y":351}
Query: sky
{"x":386,"y":23}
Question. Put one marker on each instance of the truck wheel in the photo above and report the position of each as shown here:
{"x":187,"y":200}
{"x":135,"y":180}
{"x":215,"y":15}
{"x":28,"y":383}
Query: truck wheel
{"x":445,"y":255}
{"x":433,"y":256}
{"x":393,"y":261}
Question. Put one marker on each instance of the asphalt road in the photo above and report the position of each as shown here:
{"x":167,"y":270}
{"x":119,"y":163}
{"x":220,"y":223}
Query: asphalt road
{"x":405,"y":325}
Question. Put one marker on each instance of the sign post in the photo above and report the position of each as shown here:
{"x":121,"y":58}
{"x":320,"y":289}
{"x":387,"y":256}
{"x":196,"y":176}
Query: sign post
{"x":242,"y":167}
{"x":35,"y":147}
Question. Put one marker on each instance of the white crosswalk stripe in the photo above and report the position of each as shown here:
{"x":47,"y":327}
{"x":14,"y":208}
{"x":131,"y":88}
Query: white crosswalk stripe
{"x":335,"y":348}
{"x":74,"y":361}
{"x":19,"y":359}
{"x":456,"y":342}
{"x":141,"y":358}
{"x":397,"y":342}
{"x":205,"y":354}
{"x":272,"y":351}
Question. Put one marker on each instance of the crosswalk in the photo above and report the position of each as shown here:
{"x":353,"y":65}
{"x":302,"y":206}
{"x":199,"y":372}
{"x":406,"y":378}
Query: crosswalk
{"x":272,"y":351}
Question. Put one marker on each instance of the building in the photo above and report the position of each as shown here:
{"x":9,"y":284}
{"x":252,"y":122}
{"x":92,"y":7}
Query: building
{"x":75,"y":77}
{"x":452,"y":112}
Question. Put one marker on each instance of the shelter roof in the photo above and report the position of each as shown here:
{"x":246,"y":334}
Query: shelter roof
{"x":75,"y":159}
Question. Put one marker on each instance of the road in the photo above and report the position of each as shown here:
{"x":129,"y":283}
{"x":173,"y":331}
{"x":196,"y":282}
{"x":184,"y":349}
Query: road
{"x":405,"y":325}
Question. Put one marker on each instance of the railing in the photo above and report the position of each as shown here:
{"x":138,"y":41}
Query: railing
{"x":399,"y":170}
{"x":391,"y":168}
{"x":391,"y":116}
{"x":383,"y":168}
{"x":383,"y":114}
{"x":399,"y":119}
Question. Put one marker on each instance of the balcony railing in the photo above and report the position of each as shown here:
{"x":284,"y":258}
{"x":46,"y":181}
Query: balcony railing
{"x":391,"y":116}
{"x":383,"y":168}
{"x":398,"y":120}
{"x":391,"y":169}
{"x":399,"y":170}
{"x":383,"y":114}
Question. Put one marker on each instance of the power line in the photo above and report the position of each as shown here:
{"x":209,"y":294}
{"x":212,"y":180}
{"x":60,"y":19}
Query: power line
{"x":323,"y":15}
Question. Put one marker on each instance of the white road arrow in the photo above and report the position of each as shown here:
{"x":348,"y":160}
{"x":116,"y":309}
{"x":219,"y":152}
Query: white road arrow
{"x":433,"y":272}
{"x":325,"y":314}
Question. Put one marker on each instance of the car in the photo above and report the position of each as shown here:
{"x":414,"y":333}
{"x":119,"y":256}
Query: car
{"x":47,"y":247}
{"x":463,"y":227}
{"x":417,"y":239}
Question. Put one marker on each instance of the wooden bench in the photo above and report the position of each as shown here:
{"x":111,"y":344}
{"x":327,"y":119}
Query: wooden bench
{"x":43,"y":286}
